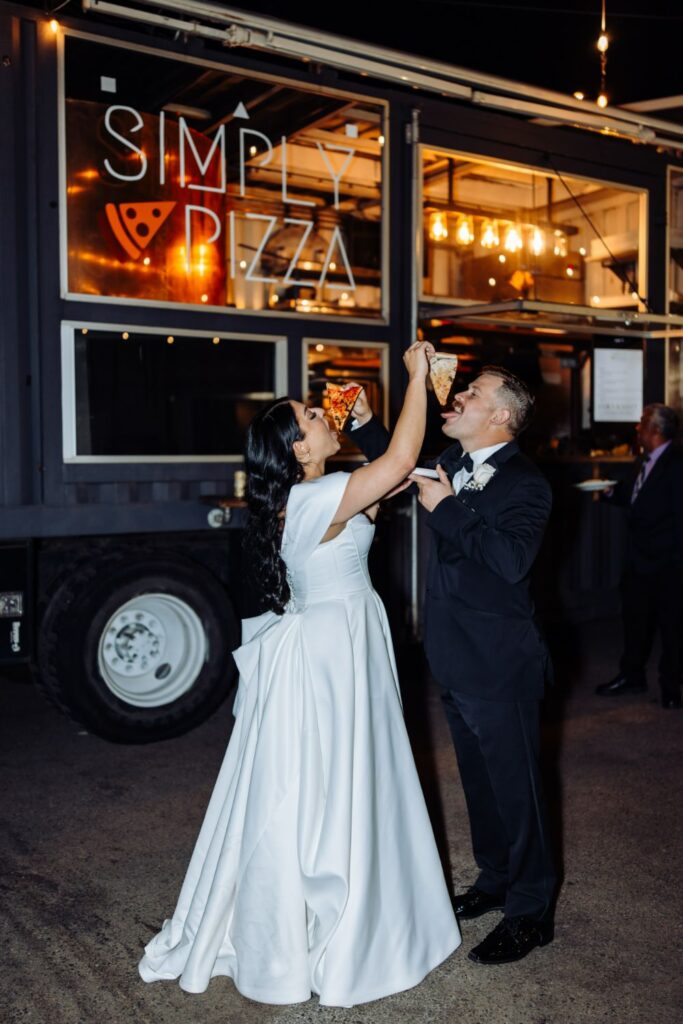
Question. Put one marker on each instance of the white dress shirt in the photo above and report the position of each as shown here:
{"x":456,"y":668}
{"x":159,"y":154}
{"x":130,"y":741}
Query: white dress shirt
{"x":481,"y":455}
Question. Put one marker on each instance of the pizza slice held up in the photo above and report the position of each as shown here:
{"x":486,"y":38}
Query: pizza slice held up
{"x":341,"y":399}
{"x":442,"y":369}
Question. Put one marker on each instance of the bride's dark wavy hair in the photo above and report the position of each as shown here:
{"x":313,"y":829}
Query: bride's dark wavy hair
{"x":272,"y":470}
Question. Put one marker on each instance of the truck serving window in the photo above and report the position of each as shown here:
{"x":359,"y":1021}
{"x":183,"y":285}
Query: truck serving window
{"x":494,"y":232}
{"x":205,"y":186}
{"x":133,"y":393}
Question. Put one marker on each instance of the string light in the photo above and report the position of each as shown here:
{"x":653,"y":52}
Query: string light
{"x":603,"y":45}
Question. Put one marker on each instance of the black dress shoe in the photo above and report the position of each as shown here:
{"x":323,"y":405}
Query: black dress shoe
{"x":475,"y":902}
{"x":672,"y":703}
{"x":512,"y":940}
{"x":619,"y":685}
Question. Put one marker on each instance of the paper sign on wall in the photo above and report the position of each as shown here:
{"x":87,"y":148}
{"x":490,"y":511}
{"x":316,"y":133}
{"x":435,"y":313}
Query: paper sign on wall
{"x":618,"y":385}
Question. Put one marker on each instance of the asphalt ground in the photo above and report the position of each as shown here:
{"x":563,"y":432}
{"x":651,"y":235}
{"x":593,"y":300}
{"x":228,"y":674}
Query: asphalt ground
{"x":95,"y":839}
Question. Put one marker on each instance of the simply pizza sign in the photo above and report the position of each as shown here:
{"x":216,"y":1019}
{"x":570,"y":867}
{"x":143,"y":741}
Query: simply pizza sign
{"x":215,"y":206}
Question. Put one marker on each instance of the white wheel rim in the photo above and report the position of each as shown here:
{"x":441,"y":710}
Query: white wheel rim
{"x":152,"y":650}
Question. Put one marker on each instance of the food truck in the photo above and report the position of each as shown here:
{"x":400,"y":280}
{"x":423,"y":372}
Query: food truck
{"x":203,"y":208}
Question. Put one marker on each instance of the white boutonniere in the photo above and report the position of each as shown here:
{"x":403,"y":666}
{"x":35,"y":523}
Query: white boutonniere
{"x":480,"y":477}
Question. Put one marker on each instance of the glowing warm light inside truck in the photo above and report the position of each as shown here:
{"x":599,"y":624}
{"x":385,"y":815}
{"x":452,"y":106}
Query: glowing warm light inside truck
{"x":495,"y":232}
{"x":206,"y":186}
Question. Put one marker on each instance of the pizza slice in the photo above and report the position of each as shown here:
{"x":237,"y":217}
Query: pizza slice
{"x":341,"y":400}
{"x":136,"y":224}
{"x":442,"y":370}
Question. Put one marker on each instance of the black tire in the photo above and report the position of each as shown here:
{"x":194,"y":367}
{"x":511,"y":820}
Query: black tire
{"x":73,"y":624}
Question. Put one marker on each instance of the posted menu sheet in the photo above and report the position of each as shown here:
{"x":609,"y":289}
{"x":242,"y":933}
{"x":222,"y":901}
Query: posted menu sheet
{"x":617,"y":385}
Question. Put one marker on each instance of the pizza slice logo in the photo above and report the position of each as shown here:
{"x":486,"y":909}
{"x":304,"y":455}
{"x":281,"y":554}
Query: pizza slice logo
{"x":135,"y":224}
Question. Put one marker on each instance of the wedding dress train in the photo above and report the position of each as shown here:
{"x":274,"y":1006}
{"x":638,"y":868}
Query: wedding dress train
{"x":315,"y":869}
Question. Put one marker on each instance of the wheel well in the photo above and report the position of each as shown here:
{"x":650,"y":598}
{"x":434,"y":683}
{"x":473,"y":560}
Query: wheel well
{"x":221,"y":555}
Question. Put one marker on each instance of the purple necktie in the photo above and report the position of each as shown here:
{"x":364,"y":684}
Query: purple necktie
{"x":640,"y":479}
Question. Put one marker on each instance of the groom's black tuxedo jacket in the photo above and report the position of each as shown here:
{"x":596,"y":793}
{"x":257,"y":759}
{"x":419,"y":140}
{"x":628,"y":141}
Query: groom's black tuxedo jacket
{"x":479,"y":630}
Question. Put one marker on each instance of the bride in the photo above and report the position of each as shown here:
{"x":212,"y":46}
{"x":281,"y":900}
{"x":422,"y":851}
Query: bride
{"x":315,"y":869}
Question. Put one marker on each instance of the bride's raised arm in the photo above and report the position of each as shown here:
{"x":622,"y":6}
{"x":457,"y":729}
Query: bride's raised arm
{"x":370,"y":483}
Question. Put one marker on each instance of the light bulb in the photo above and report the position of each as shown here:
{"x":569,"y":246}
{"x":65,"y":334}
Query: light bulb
{"x":578,"y":95}
{"x":512,"y":240}
{"x":464,"y":232}
{"x":54,"y":25}
{"x":537,"y":242}
{"x":601,"y":100}
{"x":603,"y":43}
{"x":438,"y":227}
{"x":490,"y":239}
{"x":560,"y":244}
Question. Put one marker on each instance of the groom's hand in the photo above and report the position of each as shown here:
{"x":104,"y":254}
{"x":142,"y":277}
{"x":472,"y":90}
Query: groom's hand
{"x":432,"y":492}
{"x":361,"y":411}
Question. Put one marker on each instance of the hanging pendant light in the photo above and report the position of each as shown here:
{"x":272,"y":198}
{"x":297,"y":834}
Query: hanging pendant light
{"x":489,"y":238}
{"x":536,"y":242}
{"x":464,"y":230}
{"x":438,"y":227}
{"x":512,"y":239}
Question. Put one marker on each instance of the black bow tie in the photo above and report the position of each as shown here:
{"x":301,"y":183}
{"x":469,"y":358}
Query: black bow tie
{"x":464,"y":462}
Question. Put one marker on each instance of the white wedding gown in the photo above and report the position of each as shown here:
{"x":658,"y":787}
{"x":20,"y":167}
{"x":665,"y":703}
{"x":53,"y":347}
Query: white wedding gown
{"x":315,"y":869}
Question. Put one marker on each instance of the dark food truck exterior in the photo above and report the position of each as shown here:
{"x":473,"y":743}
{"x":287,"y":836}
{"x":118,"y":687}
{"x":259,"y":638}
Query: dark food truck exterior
{"x":200,"y":214}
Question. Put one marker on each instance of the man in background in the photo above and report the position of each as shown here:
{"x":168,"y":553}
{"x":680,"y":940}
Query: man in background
{"x":652,"y":584}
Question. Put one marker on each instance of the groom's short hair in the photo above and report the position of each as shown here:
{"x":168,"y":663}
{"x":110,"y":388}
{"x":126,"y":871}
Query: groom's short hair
{"x":515,"y":396}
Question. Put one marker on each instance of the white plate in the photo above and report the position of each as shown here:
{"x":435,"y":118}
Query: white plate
{"x":419,"y":471}
{"x":595,"y":485}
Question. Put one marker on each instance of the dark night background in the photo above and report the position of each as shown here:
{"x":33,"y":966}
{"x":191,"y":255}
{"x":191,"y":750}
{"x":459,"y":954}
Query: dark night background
{"x":550,"y":45}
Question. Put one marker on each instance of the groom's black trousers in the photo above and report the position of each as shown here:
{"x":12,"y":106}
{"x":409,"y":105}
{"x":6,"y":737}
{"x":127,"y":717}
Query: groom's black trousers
{"x":496,"y":743}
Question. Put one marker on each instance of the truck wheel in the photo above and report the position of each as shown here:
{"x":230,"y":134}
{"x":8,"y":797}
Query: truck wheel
{"x":137,"y":647}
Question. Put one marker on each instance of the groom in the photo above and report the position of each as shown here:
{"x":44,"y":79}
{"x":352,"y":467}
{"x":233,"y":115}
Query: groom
{"x":487,"y":513}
